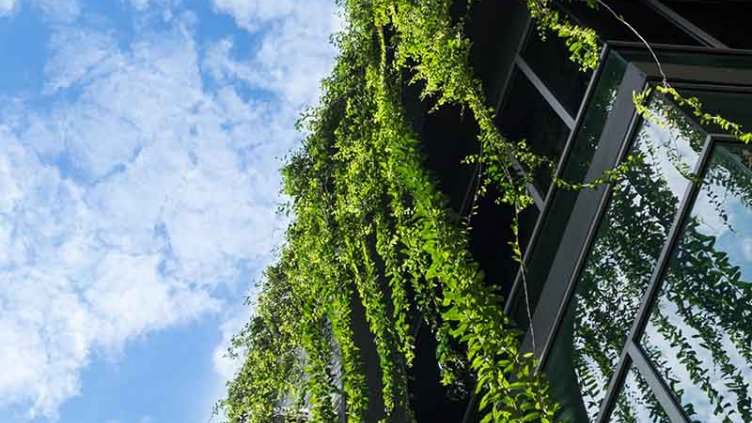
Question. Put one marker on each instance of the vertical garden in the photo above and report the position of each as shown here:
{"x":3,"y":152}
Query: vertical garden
{"x":370,"y":227}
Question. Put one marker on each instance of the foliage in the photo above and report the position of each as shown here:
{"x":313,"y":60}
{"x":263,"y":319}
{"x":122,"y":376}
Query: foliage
{"x":370,"y":226}
{"x":581,"y":41}
{"x":694,"y":106}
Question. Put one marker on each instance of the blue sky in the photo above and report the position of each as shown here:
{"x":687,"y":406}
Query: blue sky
{"x":140,"y":142}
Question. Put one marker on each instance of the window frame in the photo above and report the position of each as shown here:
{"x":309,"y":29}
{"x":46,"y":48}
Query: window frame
{"x":590,"y":209}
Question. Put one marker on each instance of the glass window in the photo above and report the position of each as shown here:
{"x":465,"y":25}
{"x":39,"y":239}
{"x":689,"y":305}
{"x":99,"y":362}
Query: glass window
{"x":583,"y":148}
{"x":549,"y":60}
{"x":527,"y":115}
{"x":699,"y":334}
{"x":636,"y":402}
{"x":625,"y":250}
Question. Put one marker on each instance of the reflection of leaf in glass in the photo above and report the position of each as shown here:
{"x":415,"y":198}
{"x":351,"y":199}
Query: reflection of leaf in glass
{"x":704,"y":294}
{"x":659,"y":109}
{"x":622,"y":258}
{"x":635,"y":403}
{"x":704,"y":309}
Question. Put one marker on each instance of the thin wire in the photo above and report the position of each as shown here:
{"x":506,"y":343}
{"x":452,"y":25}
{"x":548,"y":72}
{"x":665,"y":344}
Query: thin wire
{"x":528,"y":308}
{"x":523,"y":270}
{"x":664,"y":78}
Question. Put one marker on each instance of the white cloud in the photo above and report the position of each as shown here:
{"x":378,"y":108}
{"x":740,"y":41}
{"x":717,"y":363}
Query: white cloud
{"x":55,"y":10}
{"x":746,"y":246}
{"x":77,"y":53}
{"x":7,"y":6}
{"x":58,"y":10}
{"x":251,"y":14}
{"x":223,"y":363}
{"x":295,"y":53}
{"x":129,"y":200}
{"x":139,"y":4}
{"x":145,"y":419}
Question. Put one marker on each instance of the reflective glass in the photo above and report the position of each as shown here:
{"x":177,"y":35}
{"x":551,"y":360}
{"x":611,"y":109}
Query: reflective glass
{"x":583,"y":148}
{"x":699,"y":334}
{"x":624,"y":252}
{"x":549,"y":59}
{"x":527,"y":115}
{"x":636,"y":402}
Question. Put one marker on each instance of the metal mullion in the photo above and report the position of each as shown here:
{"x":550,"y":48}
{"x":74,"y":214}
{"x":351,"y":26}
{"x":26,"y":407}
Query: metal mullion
{"x":545,"y":92}
{"x":654,"y":75}
{"x":584,"y":104}
{"x":658,"y":386}
{"x":712,"y":88}
{"x":648,"y":64}
{"x":633,"y":355}
{"x":605,"y":158}
{"x":686,"y":25}
{"x":531,"y":188}
{"x":685,"y":208}
{"x":538,"y":199}
{"x":572,"y":282}
{"x":614,"y":385}
{"x":678,"y":48}
{"x":503,"y":91}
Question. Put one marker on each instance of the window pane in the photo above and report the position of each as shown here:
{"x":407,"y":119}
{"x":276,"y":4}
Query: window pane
{"x":549,"y":60}
{"x":636,"y":402}
{"x":626,"y":247}
{"x":700,"y":330}
{"x":575,"y":168}
{"x":527,"y":115}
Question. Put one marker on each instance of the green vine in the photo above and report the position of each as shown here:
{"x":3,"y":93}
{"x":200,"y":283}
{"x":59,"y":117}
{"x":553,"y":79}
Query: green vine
{"x":369,"y":222}
{"x":694,"y":106}
{"x":582,"y":42}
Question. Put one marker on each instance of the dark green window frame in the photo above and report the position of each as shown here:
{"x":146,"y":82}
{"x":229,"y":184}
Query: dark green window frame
{"x":708,"y":69}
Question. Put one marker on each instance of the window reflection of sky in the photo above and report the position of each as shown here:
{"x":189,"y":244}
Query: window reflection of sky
{"x":629,"y":237}
{"x":738,"y":244}
{"x":671,"y":149}
{"x":725,"y":364}
{"x":635,"y":403}
{"x":621,"y":261}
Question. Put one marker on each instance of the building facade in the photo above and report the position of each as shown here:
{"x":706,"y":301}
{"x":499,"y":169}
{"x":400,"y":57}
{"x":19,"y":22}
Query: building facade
{"x":636,"y":295}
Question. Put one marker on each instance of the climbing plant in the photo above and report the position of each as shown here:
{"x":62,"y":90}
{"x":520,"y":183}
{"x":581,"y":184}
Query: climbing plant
{"x":370,"y":227}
